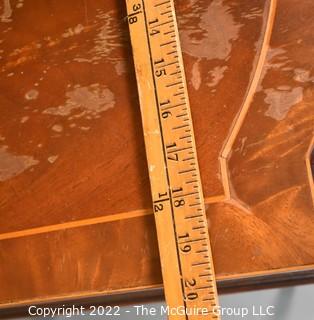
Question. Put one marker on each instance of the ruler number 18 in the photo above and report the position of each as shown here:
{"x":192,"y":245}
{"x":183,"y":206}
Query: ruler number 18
{"x":132,"y":18}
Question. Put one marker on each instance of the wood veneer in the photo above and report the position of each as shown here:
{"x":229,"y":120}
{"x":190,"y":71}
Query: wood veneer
{"x":75,"y":207}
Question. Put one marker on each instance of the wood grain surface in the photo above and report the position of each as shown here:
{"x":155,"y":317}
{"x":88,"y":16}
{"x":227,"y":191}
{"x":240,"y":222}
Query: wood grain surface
{"x":75,"y":206}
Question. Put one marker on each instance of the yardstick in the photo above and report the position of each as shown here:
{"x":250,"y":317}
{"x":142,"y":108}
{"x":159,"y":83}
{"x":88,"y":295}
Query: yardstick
{"x":186,"y":259}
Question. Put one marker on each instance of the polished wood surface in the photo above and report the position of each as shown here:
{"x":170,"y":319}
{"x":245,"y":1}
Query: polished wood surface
{"x":75,"y":206}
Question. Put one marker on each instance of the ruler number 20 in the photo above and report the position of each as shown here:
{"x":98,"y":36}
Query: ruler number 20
{"x":190,"y":284}
{"x":132,"y":18}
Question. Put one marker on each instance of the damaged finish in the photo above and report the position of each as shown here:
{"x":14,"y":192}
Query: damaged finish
{"x":70,"y":118}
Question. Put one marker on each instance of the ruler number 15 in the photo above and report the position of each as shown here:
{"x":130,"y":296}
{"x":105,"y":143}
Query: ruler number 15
{"x":132,"y":17}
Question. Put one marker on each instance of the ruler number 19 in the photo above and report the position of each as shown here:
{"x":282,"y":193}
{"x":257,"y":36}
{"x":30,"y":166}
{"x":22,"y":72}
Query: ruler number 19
{"x":132,"y":18}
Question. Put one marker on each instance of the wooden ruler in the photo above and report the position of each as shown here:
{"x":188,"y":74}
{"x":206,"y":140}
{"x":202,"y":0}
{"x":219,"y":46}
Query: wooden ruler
{"x":186,"y":259}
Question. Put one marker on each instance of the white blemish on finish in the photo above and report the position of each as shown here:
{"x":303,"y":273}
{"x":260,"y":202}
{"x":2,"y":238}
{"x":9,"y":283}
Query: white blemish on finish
{"x":109,"y":36}
{"x":7,"y":11}
{"x":24,"y":119}
{"x":217,"y":74}
{"x":253,"y":14}
{"x":243,"y":141}
{"x":151,"y":168}
{"x":196,"y":75}
{"x":120,"y":67}
{"x":20,"y":4}
{"x":91,"y":100}
{"x":52,"y":159}
{"x":73,"y":31}
{"x":85,"y":128}
{"x":280,"y":101}
{"x":57,"y":128}
{"x":275,"y":59}
{"x":284,"y":88}
{"x":12,"y":165}
{"x":301,"y":75}
{"x":31,"y":94}
{"x":212,"y":37}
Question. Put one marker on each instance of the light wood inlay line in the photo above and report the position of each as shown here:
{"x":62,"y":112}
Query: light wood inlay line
{"x":225,"y":153}
{"x":75,"y":224}
{"x":91,"y":221}
{"x":308,"y":167}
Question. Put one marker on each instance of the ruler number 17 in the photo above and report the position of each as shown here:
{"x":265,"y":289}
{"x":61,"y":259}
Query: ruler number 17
{"x":132,"y":17}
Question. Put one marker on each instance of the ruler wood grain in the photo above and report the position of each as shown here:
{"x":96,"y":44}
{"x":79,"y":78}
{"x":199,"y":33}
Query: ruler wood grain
{"x":178,"y":203}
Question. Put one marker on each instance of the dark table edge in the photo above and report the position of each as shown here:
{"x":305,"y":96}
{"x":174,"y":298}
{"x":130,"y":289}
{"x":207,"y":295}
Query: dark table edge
{"x":225,"y":286}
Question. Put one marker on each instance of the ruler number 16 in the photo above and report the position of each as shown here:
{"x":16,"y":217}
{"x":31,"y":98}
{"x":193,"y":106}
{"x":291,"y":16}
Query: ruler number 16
{"x":132,"y":17}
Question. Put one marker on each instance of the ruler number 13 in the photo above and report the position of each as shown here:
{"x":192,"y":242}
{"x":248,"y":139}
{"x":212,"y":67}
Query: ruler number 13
{"x":132,"y":18}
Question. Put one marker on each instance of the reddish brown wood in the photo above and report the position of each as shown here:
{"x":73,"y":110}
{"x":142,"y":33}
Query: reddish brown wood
{"x":72,"y":155}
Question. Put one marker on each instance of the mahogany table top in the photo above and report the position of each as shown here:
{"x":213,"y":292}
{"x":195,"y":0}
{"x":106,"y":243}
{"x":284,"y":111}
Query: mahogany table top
{"x":75,"y":207}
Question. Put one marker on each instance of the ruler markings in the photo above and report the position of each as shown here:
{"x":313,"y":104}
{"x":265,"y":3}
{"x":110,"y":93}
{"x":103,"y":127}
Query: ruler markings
{"x":181,"y":115}
{"x":205,"y":275}
{"x":175,"y":84}
{"x":179,"y":150}
{"x":193,"y":240}
{"x":196,"y":228}
{"x":173,"y":74}
{"x":175,"y":106}
{"x":188,"y":171}
{"x":161,"y":81}
{"x":163,"y":144}
{"x":166,"y":12}
{"x":193,"y":217}
{"x":180,"y":127}
{"x":193,"y":181}
{"x":172,"y":52}
{"x":162,"y":3}
{"x":195,"y":204}
{"x":197,"y":264}
{"x":167,"y":43}
{"x":185,"y":195}
{"x":186,"y":137}
{"x":161,"y":24}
